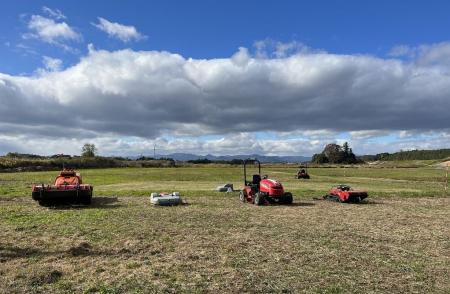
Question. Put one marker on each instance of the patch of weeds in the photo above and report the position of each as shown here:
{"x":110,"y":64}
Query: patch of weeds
{"x":133,"y":265}
{"x":34,"y":259}
{"x":333,"y":289}
{"x":64,"y":286}
{"x":45,"y":277}
{"x":103,"y":289}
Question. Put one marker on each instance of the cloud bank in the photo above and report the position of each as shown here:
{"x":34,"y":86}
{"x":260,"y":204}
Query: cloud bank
{"x":149,"y":94}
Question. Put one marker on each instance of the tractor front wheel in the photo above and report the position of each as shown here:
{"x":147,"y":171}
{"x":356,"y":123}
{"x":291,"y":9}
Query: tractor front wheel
{"x":259,"y":199}
{"x":242,"y":196}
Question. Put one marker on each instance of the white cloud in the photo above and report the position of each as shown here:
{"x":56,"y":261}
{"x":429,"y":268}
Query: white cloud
{"x":402,"y":51}
{"x":407,"y":134}
{"x":52,"y":64}
{"x":269,"y":48}
{"x":420,"y":140}
{"x":119,"y":31}
{"x":25,"y":50}
{"x":366,"y":134}
{"x":234,"y":144}
{"x":147,"y":95}
{"x":286,"y":49}
{"x":129,"y":146}
{"x":50,"y":31}
{"x":241,"y":58}
{"x":437,"y":55}
{"x":54,"y":13}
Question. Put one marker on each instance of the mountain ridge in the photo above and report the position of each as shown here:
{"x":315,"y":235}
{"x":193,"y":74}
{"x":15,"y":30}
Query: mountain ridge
{"x":263,"y":158}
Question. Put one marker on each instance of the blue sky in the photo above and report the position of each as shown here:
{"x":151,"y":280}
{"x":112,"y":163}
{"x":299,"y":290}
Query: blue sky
{"x":212,"y":29}
{"x":220,"y":45}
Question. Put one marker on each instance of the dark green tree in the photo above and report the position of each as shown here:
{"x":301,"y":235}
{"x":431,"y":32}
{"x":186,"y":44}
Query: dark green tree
{"x":88,"y":150}
{"x":319,"y":158}
{"x":345,"y":148}
{"x":334,"y":153}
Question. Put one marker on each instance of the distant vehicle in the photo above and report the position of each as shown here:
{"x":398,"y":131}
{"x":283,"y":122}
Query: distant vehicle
{"x":261,"y":191}
{"x":302,"y":174}
{"x":345,"y":193}
{"x":67,"y":188}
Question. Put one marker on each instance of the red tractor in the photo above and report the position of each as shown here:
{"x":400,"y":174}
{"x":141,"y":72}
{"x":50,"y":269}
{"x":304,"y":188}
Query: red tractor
{"x":262,"y":190}
{"x":68,"y":188}
{"x":345,"y":193}
{"x":303,"y":172}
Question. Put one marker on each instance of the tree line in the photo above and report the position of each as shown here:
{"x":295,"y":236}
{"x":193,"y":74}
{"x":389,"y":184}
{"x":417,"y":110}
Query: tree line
{"x":409,"y":155}
{"x":14,"y":161}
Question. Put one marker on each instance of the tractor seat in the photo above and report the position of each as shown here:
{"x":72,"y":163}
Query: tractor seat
{"x":256,"y":179}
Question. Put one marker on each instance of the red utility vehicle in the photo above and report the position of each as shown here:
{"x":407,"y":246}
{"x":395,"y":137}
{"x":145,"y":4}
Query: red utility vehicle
{"x":262,"y":190}
{"x":303,"y":174}
{"x":345,"y":193}
{"x":68,"y":188}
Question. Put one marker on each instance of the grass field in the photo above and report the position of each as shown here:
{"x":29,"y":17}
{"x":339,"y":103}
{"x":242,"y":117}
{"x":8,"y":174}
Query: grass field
{"x":397,"y":241}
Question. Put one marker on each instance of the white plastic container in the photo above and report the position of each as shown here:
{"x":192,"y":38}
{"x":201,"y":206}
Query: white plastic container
{"x":225,"y":188}
{"x":165,"y":199}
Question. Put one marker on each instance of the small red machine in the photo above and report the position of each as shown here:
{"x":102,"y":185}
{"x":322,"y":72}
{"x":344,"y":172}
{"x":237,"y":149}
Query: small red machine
{"x":68,"y":188}
{"x":303,"y":173}
{"x":262,"y":190}
{"x":345,"y":193}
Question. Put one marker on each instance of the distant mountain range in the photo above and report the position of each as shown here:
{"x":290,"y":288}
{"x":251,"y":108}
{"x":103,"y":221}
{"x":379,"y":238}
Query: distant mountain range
{"x":262,"y":158}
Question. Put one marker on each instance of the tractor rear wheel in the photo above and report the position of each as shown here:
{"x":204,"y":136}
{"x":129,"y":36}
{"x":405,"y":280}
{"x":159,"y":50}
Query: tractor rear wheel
{"x":43,"y":203}
{"x":86,"y":199}
{"x":242,"y":196}
{"x":259,"y":199}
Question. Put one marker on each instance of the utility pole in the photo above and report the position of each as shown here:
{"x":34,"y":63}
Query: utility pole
{"x":154,"y":151}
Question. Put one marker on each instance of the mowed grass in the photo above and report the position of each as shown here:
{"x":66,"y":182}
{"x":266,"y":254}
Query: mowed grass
{"x":397,"y":241}
{"x":386,"y":182}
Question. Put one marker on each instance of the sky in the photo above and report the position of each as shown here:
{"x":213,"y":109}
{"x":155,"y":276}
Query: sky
{"x":223,"y":77}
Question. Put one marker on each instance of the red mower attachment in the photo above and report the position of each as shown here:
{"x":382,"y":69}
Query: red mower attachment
{"x":345,"y":193}
{"x":262,"y":190}
{"x":68,"y":188}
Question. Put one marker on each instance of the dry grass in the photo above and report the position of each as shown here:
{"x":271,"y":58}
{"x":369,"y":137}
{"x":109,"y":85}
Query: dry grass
{"x":217,"y":244}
